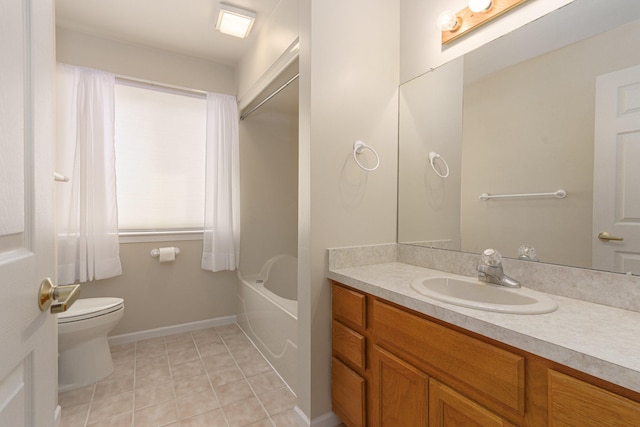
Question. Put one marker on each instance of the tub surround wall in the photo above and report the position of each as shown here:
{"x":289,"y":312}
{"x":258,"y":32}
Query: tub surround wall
{"x":600,"y":287}
{"x":594,"y":338}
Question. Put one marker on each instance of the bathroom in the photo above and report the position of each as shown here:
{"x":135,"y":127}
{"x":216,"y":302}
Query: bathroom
{"x":338,"y":204}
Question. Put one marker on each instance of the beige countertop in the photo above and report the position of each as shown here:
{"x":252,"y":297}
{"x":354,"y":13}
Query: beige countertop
{"x":600,"y":340}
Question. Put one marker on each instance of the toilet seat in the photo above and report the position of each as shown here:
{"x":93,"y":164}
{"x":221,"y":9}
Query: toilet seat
{"x":89,"y":308}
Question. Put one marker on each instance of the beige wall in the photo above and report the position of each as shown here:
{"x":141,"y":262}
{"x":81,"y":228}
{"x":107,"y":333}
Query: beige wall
{"x":269,"y":53}
{"x":157,"y":295}
{"x":348,"y":91}
{"x":543,"y":141}
{"x":420,"y":39}
{"x":165,"y":294}
{"x":143,"y":63}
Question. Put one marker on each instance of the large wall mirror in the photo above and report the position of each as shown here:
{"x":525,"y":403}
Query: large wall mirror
{"x":554,"y":105}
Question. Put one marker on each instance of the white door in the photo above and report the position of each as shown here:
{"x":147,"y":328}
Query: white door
{"x":28,"y":336}
{"x":616,"y":192}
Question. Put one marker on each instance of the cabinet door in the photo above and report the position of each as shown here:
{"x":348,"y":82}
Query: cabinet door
{"x":348,"y":394}
{"x":449,"y":408}
{"x":576,"y":403}
{"x":400,"y":392}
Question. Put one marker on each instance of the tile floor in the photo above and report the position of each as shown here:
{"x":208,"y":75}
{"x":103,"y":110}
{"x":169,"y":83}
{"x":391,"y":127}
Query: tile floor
{"x":211,"y":377}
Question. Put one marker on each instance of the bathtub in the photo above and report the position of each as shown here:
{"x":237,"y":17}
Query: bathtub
{"x":268,"y":313}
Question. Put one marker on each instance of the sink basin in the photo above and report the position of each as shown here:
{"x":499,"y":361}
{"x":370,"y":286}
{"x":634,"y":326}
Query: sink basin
{"x":473,"y":293}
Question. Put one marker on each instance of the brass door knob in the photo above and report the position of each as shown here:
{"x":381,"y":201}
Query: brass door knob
{"x":59,"y":298}
{"x":605,"y":236}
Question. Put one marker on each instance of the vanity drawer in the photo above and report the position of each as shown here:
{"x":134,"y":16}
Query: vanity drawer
{"x":496,"y":373}
{"x":349,"y":307}
{"x":348,"y":345}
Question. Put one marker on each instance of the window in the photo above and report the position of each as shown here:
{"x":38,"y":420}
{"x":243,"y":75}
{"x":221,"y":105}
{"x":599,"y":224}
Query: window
{"x":160,"y":158}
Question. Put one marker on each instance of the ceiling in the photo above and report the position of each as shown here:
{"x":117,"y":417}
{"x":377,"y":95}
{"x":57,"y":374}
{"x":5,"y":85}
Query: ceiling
{"x":186,"y":27}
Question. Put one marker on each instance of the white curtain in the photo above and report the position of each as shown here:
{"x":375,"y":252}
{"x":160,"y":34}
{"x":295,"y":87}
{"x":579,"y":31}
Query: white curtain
{"x":86,"y":209}
{"x":221,"y":242}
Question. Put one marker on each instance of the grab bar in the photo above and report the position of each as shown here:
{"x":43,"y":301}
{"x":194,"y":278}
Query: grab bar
{"x":559,"y":194}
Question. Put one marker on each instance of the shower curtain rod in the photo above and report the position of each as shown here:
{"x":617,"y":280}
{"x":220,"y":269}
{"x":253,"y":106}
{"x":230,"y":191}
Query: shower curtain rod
{"x":275,"y":92}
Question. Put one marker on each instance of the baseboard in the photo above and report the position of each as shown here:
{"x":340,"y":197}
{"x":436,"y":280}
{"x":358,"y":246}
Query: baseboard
{"x":326,"y":420}
{"x":170,"y":330}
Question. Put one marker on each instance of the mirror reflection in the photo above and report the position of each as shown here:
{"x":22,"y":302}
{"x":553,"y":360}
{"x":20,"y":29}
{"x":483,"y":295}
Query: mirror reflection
{"x":548,"y":107}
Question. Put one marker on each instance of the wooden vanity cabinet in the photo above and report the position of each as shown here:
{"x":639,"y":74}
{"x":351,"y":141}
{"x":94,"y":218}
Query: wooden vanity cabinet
{"x":393,"y":367}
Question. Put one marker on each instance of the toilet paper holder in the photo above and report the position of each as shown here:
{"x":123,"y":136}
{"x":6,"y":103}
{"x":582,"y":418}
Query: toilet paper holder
{"x":156,"y":252}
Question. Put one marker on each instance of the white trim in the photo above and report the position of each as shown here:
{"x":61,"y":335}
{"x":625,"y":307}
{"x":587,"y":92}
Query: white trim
{"x":328,"y":419}
{"x":170,"y":330}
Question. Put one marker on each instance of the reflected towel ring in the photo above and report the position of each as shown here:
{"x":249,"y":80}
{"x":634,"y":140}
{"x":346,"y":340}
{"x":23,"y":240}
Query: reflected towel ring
{"x":359,"y":147}
{"x":432,"y":159}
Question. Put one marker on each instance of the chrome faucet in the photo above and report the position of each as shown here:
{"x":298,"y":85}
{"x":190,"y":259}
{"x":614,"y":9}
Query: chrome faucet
{"x":491,"y":271}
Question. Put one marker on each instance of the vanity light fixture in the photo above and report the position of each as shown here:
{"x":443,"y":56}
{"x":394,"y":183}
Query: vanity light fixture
{"x":235,"y":21}
{"x":478,"y":12}
{"x":479,"y":5}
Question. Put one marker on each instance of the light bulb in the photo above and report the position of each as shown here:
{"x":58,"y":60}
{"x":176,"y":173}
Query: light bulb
{"x":447,"y":21}
{"x":479,"y":5}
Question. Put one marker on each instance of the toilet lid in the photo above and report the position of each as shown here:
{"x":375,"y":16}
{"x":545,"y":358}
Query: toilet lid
{"x":86,"y":308}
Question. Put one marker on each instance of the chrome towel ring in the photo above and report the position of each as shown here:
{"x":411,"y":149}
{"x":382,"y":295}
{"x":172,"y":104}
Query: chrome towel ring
{"x":358,"y":148}
{"x":432,"y":159}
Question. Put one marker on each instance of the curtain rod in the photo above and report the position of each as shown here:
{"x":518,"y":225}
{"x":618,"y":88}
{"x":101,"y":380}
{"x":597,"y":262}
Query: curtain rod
{"x":161,"y":87}
{"x":264,"y":101}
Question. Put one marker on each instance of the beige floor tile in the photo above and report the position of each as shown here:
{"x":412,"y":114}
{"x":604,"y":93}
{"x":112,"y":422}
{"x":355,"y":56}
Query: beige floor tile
{"x":234,"y":392}
{"x":74,"y":416}
{"x":150,"y":344}
{"x":114,"y":385}
{"x":152,"y":395}
{"x":199,"y":384}
{"x":210,"y":419}
{"x":122,"y":420}
{"x":265,"y":382}
{"x":233,"y":341}
{"x":255,"y":367}
{"x":146,"y":364}
{"x":206,"y":335}
{"x":190,"y":405}
{"x":276,"y":401}
{"x":76,"y":397}
{"x":285,"y":419}
{"x":247,"y":354}
{"x":219,"y":378}
{"x":262,"y":423}
{"x":219,"y":362}
{"x":229,"y":330}
{"x":156,"y":415}
{"x":152,"y":377}
{"x":187,"y":370}
{"x":244,"y":412}
{"x":211,"y":348}
{"x":183,"y":356}
{"x":110,"y":406}
{"x":150,"y":352}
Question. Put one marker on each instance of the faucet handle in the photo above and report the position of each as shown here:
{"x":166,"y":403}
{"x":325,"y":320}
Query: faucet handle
{"x":492,"y":257}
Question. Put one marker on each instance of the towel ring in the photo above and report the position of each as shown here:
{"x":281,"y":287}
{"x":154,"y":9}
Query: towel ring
{"x":358,"y":148}
{"x":432,"y":159}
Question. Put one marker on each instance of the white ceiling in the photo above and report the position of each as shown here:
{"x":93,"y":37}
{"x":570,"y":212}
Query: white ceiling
{"x":183,"y":26}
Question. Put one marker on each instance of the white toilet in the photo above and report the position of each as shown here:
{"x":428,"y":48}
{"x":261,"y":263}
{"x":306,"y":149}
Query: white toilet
{"x":84,"y":355}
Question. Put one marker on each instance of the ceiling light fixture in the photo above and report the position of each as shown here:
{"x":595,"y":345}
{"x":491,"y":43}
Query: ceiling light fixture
{"x":235,"y":21}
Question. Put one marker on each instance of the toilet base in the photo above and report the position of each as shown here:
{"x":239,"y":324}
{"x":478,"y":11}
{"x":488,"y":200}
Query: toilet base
{"x":84,"y":364}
